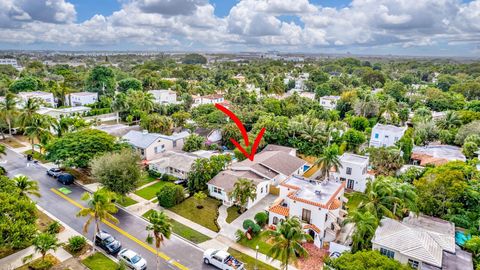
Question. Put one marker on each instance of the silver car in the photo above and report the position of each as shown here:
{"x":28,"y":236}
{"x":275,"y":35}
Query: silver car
{"x":132,"y":259}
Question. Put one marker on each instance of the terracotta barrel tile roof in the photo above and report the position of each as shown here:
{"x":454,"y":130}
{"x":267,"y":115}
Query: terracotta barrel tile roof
{"x":311,"y":227}
{"x":281,"y":210}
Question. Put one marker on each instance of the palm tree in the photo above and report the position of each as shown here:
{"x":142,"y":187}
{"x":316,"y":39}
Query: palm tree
{"x":407,"y":199}
{"x":100,"y":207}
{"x":159,"y":229}
{"x":8,"y":110}
{"x":365,"y":225}
{"x":243,"y":190}
{"x":389,"y":110}
{"x":38,"y":128}
{"x":45,"y":242}
{"x":313,"y":131}
{"x":449,"y":121}
{"x":329,"y":159}
{"x":287,"y":241}
{"x":26,"y":186}
{"x":29,"y":111}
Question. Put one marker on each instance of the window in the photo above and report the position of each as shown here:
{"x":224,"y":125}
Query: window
{"x":349,"y":170}
{"x":275,"y":220}
{"x":386,"y":136}
{"x":413,"y":264}
{"x":217,"y":190}
{"x":376,"y":135}
{"x":261,"y":190}
{"x":387,"y":252}
{"x":396,"y":138}
{"x":142,"y":152}
{"x":306,"y":214}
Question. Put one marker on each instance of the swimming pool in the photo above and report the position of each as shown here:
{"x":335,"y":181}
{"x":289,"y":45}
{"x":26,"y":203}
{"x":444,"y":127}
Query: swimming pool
{"x":461,"y":238}
{"x":306,"y":167}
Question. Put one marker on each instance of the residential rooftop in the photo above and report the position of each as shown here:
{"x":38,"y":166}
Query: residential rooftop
{"x":446,"y":152}
{"x":331,"y":97}
{"x":84,"y":94}
{"x":353,"y":158}
{"x":312,"y":190}
{"x":389,"y":128}
{"x":142,"y":139}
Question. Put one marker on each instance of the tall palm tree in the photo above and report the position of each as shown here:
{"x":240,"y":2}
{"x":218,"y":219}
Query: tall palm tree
{"x":365,"y":225}
{"x":406,"y":199}
{"x":8,"y":110}
{"x":100,"y":207}
{"x":329,"y":159}
{"x":449,"y":121}
{"x":243,"y":190}
{"x":287,"y":241}
{"x":26,"y":186}
{"x":389,"y":111}
{"x":29,"y":111}
{"x":159,"y":229}
{"x":45,"y":242}
{"x":38,"y":128}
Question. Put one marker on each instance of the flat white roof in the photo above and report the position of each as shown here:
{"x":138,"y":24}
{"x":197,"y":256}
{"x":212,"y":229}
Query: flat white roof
{"x":353,"y":158}
{"x":313,"y":190}
{"x":390,"y":128}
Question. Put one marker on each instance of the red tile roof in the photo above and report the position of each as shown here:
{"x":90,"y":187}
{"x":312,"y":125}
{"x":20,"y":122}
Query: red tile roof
{"x":311,"y":227}
{"x":281,"y":210}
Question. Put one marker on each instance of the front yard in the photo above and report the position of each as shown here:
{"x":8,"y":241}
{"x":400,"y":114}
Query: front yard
{"x":98,"y":261}
{"x":150,"y":192}
{"x":126,"y":201}
{"x":232,"y":213}
{"x":260,"y":240}
{"x":207,"y":216}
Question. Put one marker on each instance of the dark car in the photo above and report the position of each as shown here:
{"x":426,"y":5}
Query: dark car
{"x":54,"y":172}
{"x":65,"y":178}
{"x":182,"y":182}
{"x":107,"y":242}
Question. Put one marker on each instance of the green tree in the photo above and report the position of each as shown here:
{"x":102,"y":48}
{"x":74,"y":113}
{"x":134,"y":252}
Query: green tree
{"x":25,"y":84}
{"x":29,"y":111}
{"x":193,"y":143}
{"x":101,"y":79}
{"x":194,"y":58}
{"x":466,"y":130}
{"x":44,"y":242}
{"x":365,"y":225}
{"x":38,"y":128}
{"x":157,"y":123}
{"x":354,"y":139}
{"x":118,"y":171}
{"x":329,"y":159}
{"x":395,"y":89}
{"x":203,"y":170}
{"x":170,"y":195}
{"x":159,"y":229}
{"x":287,"y":241}
{"x":406,"y":145}
{"x":8,"y":110}
{"x":243,"y":191}
{"x":386,"y":160}
{"x":449,"y":121}
{"x":78,"y":148}
{"x":473,"y":245}
{"x":469,"y":149}
{"x":180,"y":118}
{"x":365,"y":259}
{"x":199,"y":199}
{"x":139,"y":101}
{"x":100,"y":207}
{"x":130,"y":83}
{"x":26,"y":186}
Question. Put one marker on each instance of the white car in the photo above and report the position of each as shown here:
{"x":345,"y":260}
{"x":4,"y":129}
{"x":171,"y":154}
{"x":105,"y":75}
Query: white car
{"x":132,"y":259}
{"x":221,"y":259}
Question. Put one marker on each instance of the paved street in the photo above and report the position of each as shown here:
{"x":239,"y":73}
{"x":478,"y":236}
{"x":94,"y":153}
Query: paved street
{"x":176,"y":253}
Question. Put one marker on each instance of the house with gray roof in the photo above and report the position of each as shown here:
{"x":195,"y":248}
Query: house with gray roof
{"x":152,"y":145}
{"x":271,"y":166}
{"x":421,"y":241}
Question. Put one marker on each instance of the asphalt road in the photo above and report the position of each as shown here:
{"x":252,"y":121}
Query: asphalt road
{"x":130,"y":231}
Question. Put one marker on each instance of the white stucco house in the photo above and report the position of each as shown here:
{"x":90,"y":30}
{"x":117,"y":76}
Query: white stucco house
{"x":386,"y":135}
{"x":329,"y":102}
{"x":421,"y":241}
{"x":317,"y":204}
{"x":64,"y":112}
{"x":46,"y":97}
{"x":354,"y":172}
{"x":164,"y":96}
{"x":152,"y":145}
{"x":207,"y":99}
{"x":81,"y":98}
{"x":270,"y":167}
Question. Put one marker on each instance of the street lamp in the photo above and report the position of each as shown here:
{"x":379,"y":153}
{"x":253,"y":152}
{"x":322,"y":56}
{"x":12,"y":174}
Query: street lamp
{"x":256,"y":257}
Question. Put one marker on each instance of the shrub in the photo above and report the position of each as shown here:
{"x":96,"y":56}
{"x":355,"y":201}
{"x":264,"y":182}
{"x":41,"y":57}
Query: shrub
{"x":248,"y":224}
{"x":76,"y":243}
{"x":261,"y":218}
{"x":3,"y":171}
{"x":54,"y":227}
{"x":170,"y":195}
{"x":41,"y":264}
{"x":155,"y":174}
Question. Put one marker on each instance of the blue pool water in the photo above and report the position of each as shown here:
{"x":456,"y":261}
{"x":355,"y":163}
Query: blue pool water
{"x":461,"y":238}
{"x":305,"y":168}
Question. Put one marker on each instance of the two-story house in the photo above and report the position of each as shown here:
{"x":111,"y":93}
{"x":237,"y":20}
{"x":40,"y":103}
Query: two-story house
{"x":164,"y":96}
{"x":386,"y":135}
{"x":421,"y":241}
{"x":207,"y":99}
{"x":329,"y":102}
{"x":354,"y":171}
{"x":270,"y":167}
{"x":152,"y":145}
{"x":317,"y":204}
{"x":81,"y":98}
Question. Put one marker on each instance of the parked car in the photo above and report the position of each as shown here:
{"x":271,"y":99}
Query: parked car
{"x":221,"y":259}
{"x":132,"y":259}
{"x":65,"y":178}
{"x":107,"y":242}
{"x":54,"y":172}
{"x":182,"y":182}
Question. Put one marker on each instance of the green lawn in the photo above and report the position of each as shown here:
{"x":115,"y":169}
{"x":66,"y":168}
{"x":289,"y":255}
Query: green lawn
{"x":352,"y":204}
{"x":249,"y":261}
{"x":233,"y":214}
{"x":145,"y":180}
{"x":184,"y":231}
{"x":151,"y":191}
{"x":207,"y":216}
{"x":260,"y":240}
{"x":126,"y":201}
{"x":36,"y":156}
{"x":98,"y":261}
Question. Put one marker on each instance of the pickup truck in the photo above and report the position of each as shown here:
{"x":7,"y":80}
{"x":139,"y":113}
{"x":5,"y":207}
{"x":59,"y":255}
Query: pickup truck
{"x":221,"y":259}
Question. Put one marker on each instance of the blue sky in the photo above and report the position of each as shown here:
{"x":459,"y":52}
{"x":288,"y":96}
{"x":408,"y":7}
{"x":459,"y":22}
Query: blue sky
{"x":403,"y":27}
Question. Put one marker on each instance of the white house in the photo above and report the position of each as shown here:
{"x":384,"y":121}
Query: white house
{"x":386,"y":135}
{"x":46,"y":97}
{"x":317,"y":204}
{"x":173,"y":163}
{"x":151,"y":145}
{"x":81,"y":98}
{"x":421,"y":241}
{"x":270,"y":167}
{"x":164,"y":96}
{"x":10,"y":61}
{"x":354,"y":172}
{"x":329,"y":102}
{"x":208,"y":99}
{"x":64,"y":112}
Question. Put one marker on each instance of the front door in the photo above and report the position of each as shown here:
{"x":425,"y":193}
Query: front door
{"x":350,"y":183}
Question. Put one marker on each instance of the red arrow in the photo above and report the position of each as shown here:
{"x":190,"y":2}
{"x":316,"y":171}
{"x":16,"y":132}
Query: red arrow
{"x":242,"y":129}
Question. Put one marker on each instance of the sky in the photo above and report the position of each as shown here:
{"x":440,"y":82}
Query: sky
{"x":373,"y":27}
